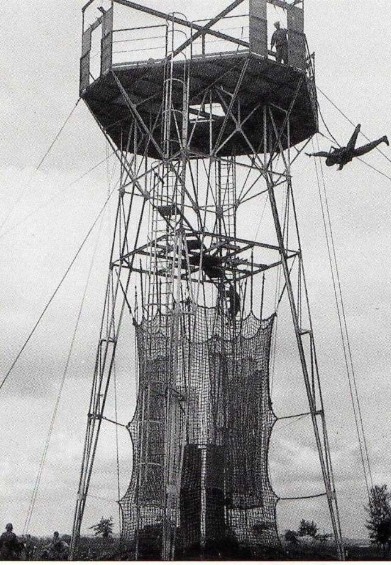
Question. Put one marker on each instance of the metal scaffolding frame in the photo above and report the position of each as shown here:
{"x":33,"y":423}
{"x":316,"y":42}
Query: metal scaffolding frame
{"x":176,"y":233}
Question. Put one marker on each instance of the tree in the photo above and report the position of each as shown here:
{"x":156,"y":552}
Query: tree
{"x":307,"y":528}
{"x":379,"y":510}
{"x":291,"y":536}
{"x":104,"y":527}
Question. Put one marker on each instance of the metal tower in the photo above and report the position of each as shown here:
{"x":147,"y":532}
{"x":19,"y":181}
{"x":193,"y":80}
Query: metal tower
{"x":206,"y":126}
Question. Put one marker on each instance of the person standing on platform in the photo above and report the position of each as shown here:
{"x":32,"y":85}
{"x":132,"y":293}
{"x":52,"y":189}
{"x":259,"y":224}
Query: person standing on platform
{"x":280,"y":40}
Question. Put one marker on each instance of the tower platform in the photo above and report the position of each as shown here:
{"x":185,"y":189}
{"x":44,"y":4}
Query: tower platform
{"x":264,"y":82}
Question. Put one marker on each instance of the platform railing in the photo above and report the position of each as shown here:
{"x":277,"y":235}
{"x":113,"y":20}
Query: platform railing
{"x":236,"y":27}
{"x":141,"y":44}
{"x":138,"y":44}
{"x":144,"y":44}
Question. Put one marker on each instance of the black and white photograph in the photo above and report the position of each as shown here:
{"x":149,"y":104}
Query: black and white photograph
{"x":195,"y":297}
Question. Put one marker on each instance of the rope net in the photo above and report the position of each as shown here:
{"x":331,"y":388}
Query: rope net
{"x":201,"y":433}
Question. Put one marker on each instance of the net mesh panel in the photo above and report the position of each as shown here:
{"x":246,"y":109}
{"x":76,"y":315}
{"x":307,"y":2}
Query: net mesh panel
{"x":211,"y":446}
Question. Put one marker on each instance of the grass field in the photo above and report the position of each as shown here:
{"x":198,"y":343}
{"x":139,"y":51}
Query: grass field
{"x":112,"y":549}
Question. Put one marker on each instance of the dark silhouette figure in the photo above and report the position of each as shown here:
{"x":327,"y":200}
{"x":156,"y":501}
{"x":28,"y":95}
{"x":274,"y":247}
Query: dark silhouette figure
{"x":280,"y":40}
{"x":343,"y":155}
{"x":57,"y":550}
{"x":213,"y":267}
{"x":29,"y":548}
{"x":233,"y":301}
{"x":10,"y":546}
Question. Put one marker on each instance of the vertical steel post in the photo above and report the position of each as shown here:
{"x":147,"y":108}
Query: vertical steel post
{"x":322,"y":447}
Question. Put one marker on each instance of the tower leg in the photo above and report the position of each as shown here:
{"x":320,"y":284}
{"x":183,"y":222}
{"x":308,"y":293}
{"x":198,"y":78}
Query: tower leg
{"x":116,"y":304}
{"x":314,"y":397}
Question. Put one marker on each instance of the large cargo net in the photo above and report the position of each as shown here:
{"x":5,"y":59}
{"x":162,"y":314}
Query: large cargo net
{"x":201,"y":434}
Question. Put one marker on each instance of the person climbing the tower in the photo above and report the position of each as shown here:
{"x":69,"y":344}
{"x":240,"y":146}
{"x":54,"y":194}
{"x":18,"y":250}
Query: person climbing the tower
{"x":10,"y":547}
{"x":233,"y":301}
{"x":280,"y":40}
{"x":343,"y":155}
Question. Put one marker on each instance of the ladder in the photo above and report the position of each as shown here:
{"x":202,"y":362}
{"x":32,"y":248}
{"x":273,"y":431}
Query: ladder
{"x":225,"y":229}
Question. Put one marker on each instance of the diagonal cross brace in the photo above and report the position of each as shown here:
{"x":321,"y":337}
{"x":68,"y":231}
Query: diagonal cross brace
{"x":206,"y":27}
{"x":134,"y":112}
{"x":181,"y":21}
{"x":232,"y":102}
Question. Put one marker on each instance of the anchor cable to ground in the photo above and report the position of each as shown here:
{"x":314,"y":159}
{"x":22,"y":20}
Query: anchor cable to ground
{"x":68,"y":269}
{"x":39,"y":165}
{"x":347,"y":351}
{"x":59,"y":394}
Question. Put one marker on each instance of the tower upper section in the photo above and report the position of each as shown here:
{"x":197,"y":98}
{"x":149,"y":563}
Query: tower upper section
{"x":128,"y":46}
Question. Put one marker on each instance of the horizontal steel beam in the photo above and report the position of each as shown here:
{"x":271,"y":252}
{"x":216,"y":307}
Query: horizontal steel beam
{"x":246,"y":241}
{"x":180,"y":21}
{"x":283,"y":4}
{"x":206,"y":27}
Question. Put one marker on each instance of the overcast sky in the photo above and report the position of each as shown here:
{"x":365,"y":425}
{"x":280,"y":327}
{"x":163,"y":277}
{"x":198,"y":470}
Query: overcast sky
{"x":46,"y":214}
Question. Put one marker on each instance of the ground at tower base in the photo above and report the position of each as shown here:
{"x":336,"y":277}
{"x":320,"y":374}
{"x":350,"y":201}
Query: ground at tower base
{"x":111,"y":548}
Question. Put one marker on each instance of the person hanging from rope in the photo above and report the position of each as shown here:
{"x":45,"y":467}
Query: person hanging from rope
{"x":10,"y":547}
{"x":280,"y":40}
{"x":343,"y":155}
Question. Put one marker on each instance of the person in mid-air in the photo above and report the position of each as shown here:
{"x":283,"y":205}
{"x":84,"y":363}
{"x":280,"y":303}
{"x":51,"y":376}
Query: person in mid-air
{"x":342,"y":155}
{"x":280,"y":40}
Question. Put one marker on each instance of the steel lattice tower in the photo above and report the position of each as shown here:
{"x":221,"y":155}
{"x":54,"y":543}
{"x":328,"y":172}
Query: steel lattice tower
{"x":201,"y":133}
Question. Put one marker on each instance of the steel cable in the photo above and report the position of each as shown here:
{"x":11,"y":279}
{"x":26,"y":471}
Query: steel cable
{"x":40,"y":164}
{"x":359,"y":158}
{"x":59,"y":394}
{"x":350,"y":121}
{"x":55,"y":291}
{"x":53,"y":198}
{"x":344,"y":328}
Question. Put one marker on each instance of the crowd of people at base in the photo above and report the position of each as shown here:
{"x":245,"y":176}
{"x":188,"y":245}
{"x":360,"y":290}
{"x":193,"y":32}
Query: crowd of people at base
{"x":13,"y":549}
